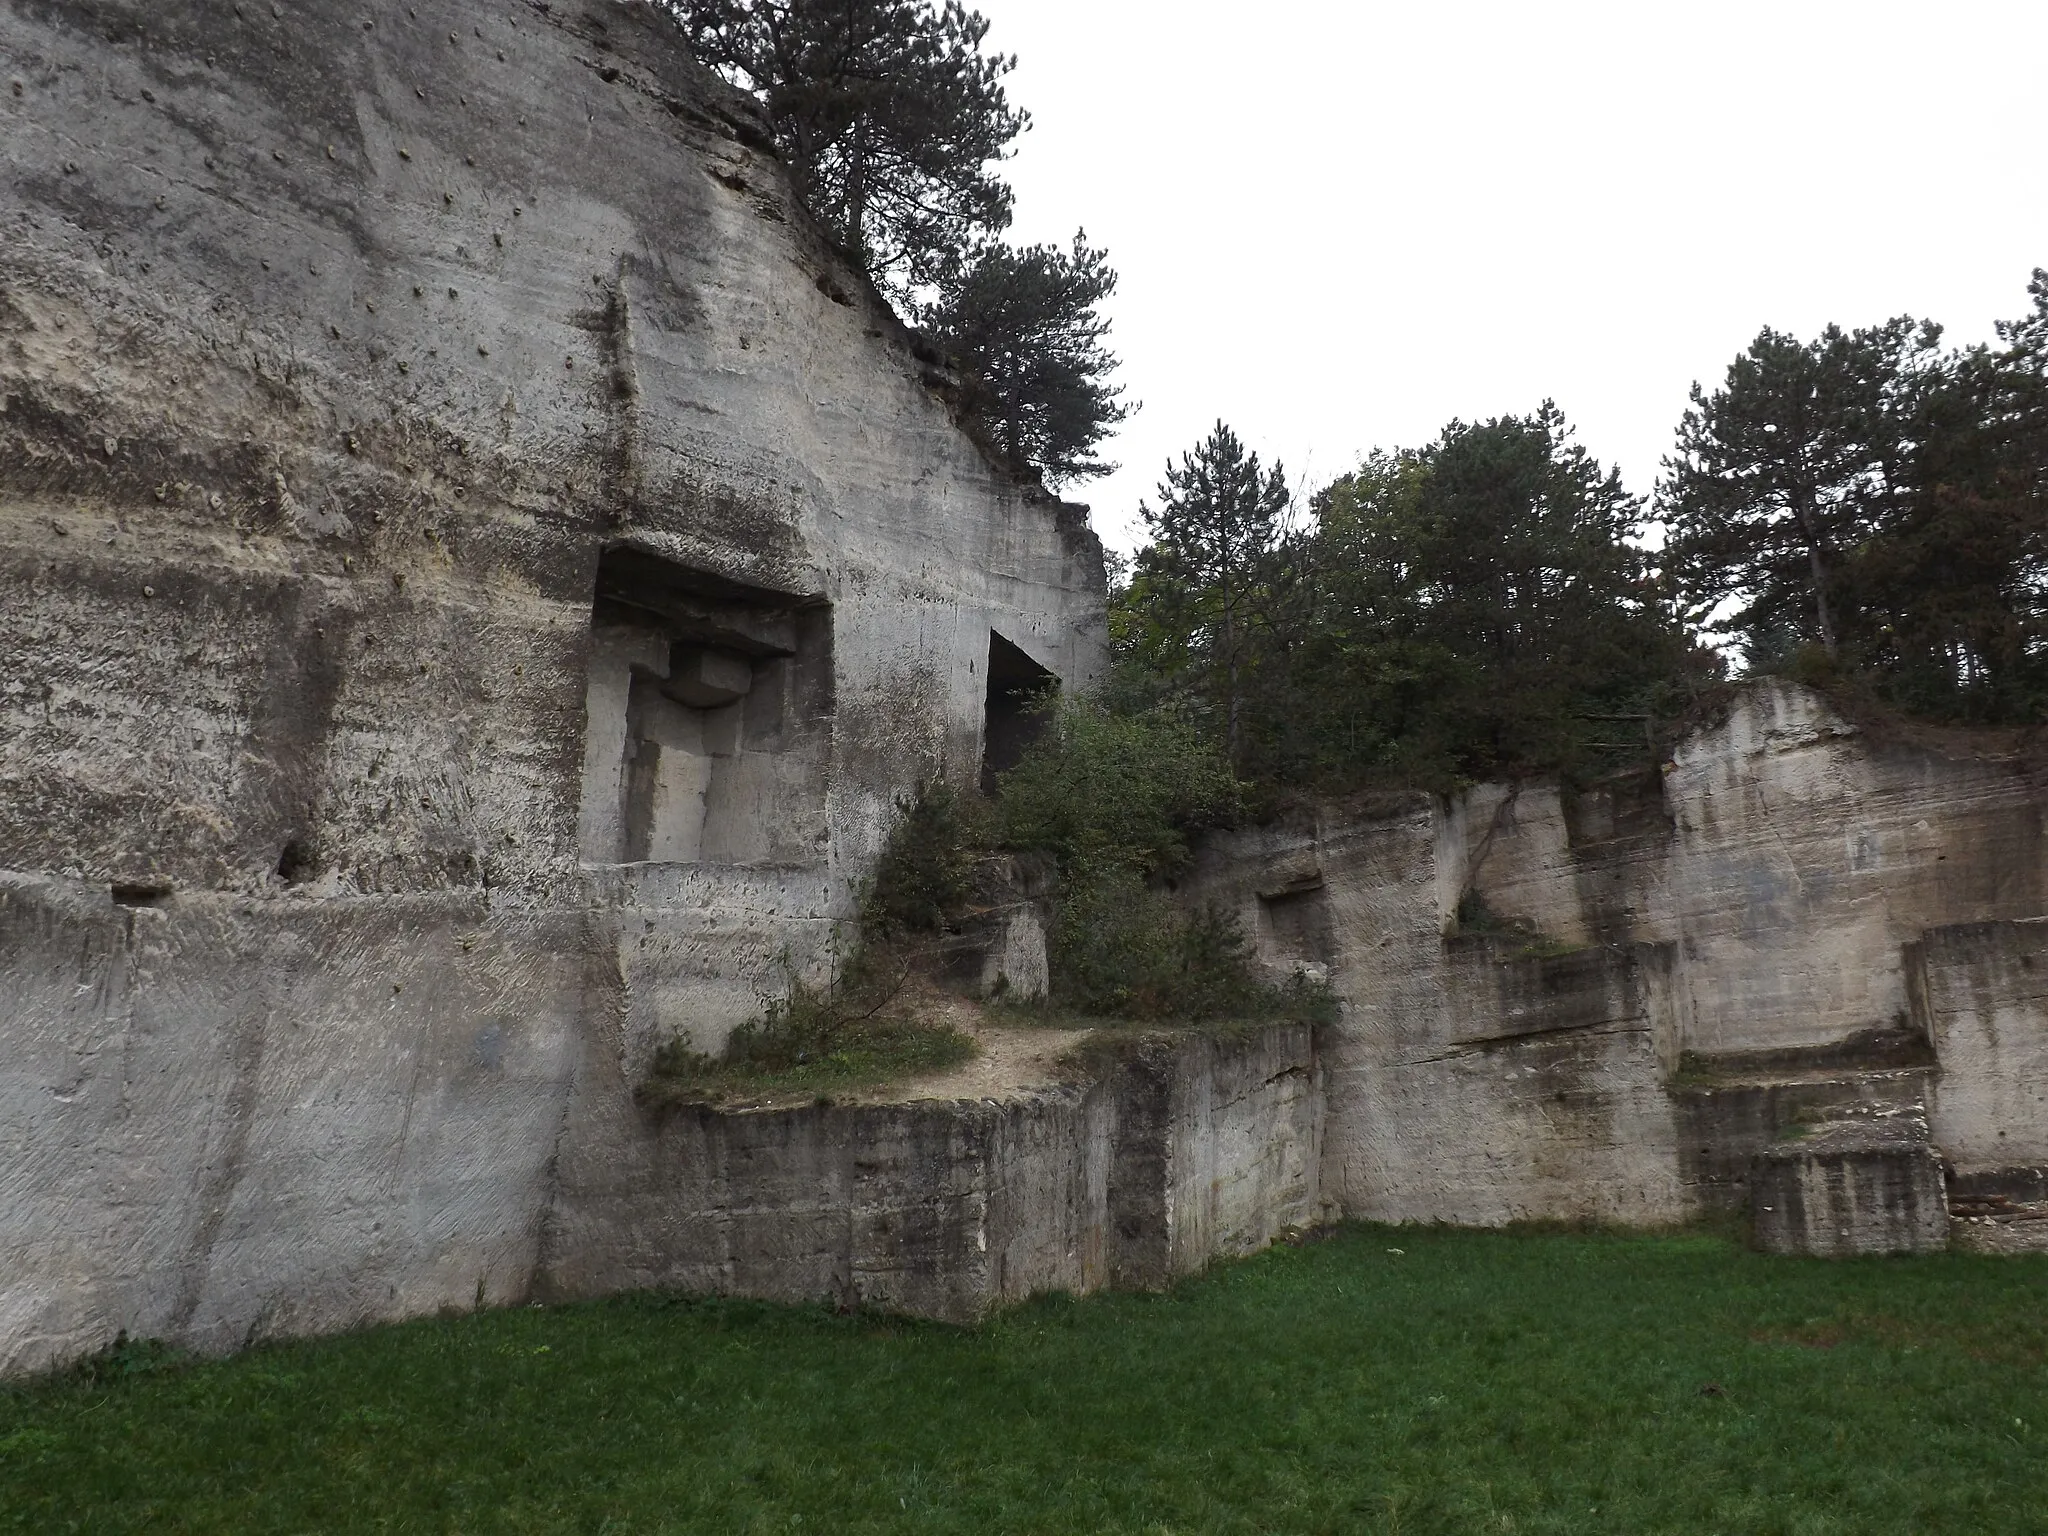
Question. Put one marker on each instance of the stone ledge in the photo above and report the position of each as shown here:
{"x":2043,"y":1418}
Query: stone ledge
{"x":1179,"y":1152}
{"x":1856,"y":1188}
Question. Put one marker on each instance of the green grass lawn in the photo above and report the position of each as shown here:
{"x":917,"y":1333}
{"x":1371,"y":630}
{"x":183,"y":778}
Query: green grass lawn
{"x":1381,"y":1380}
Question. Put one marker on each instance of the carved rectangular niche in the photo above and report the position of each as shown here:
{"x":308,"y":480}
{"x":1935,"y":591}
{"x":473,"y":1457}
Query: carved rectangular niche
{"x":707,"y":718}
{"x":1295,"y":928}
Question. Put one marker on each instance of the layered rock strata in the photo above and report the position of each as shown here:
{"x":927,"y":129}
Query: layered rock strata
{"x":1604,"y":1005}
{"x":476,"y":574}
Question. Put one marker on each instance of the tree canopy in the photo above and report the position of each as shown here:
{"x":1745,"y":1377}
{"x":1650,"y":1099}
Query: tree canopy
{"x":1880,"y":503}
{"x":888,"y":112}
{"x":1474,"y":607}
{"x":1866,"y":505}
{"x":1785,"y":470}
{"x":1867,"y":510}
{"x":1025,"y":328}
{"x":1205,"y":585}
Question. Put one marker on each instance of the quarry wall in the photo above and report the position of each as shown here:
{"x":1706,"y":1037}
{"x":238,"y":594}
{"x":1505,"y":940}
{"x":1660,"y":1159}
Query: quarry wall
{"x":476,"y":571}
{"x":1601,"y":1005}
{"x":1162,"y":1157}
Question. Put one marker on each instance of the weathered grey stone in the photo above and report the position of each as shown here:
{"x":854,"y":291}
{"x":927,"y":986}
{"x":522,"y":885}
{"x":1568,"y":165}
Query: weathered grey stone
{"x":1188,"y":1149}
{"x":1727,"y":1117}
{"x":392,"y":431}
{"x":1014,"y":965}
{"x":1674,"y":968}
{"x":1848,"y":1190}
{"x":1983,"y":988}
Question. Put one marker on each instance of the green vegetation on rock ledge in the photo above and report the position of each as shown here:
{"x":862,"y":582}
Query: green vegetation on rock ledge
{"x":812,"y":1040}
{"x":861,"y":1024}
{"x":1376,"y":1379}
{"x":1112,"y":798}
{"x":1108,"y":801}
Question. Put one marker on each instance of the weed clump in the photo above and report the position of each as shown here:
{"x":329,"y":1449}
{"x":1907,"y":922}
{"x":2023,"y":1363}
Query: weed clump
{"x":1476,"y":919}
{"x":125,"y":1359}
{"x":811,"y":1039}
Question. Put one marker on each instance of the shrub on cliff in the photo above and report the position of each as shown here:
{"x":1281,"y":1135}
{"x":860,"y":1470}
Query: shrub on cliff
{"x":1110,"y":789}
{"x":924,"y":878}
{"x":1113,"y":796}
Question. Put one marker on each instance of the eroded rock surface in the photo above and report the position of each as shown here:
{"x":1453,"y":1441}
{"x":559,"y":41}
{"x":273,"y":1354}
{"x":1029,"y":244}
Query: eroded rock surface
{"x":1604,"y":1005}
{"x":476,"y":572}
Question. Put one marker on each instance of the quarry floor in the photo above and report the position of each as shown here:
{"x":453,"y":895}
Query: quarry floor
{"x":1374,"y":1379}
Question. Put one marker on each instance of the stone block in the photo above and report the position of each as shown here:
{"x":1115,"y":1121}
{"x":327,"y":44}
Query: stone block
{"x":1185,"y":1149}
{"x":1850,"y":1191}
{"x":1014,"y":966}
{"x":709,"y":679}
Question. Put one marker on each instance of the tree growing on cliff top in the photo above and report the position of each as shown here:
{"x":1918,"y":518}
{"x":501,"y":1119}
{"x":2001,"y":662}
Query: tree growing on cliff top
{"x":888,"y":113}
{"x":892,"y":119}
{"x":1025,"y":328}
{"x":1786,"y":469}
{"x":1468,"y":609}
{"x":1196,"y":605}
{"x":1870,"y":507}
{"x":1952,"y":588}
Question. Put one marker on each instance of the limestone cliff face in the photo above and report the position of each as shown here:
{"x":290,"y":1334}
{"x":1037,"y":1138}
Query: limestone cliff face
{"x":1655,"y":978}
{"x":475,"y":572}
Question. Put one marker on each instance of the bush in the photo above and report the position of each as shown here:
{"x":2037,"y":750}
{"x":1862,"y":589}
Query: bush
{"x":808,"y":1039}
{"x":925,"y":876}
{"x":1113,"y":796}
{"x":1121,"y":949}
{"x":1103,"y":789}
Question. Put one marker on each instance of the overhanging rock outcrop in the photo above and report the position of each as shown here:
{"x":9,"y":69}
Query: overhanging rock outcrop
{"x":476,"y":572}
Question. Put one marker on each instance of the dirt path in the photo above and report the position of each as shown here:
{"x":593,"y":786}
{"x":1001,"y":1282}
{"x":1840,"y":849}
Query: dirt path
{"x":1013,"y":1059}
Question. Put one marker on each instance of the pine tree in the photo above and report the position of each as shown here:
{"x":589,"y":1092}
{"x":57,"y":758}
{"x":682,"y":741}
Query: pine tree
{"x":1216,"y":532}
{"x":1955,"y":582}
{"x":1025,"y":329}
{"x":1788,"y":467}
{"x":1885,"y":501}
{"x":1482,"y":609}
{"x":887,"y":112}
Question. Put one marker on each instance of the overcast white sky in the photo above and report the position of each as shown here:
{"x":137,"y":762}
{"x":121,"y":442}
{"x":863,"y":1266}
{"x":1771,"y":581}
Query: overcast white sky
{"x":1341,"y":225}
